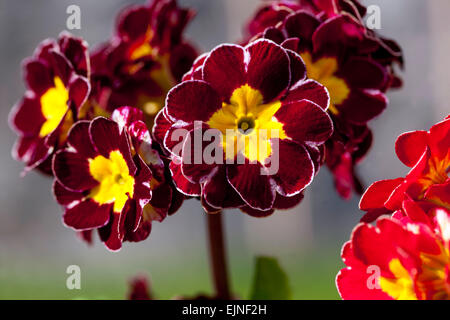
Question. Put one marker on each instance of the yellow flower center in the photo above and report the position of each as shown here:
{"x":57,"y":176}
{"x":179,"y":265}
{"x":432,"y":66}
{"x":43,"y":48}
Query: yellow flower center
{"x":116,"y":184}
{"x":53,"y":106}
{"x":247,"y":124}
{"x":401,"y":287}
{"x":323,"y":70}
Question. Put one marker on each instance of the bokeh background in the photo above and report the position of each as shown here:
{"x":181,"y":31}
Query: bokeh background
{"x":35,"y":248}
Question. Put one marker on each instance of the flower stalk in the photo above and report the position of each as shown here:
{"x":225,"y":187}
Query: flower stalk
{"x":218,"y":256}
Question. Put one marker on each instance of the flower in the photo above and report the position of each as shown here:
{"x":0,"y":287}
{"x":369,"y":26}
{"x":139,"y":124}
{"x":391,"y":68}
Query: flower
{"x":259,"y":108}
{"x":144,"y":59}
{"x":57,"y":86}
{"x":427,"y":153}
{"x":110,"y":178}
{"x":400,"y":258}
{"x":354,"y":63}
{"x":139,"y":289}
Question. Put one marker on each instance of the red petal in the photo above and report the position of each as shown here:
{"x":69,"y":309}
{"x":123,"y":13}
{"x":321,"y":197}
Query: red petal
{"x":304,"y":121}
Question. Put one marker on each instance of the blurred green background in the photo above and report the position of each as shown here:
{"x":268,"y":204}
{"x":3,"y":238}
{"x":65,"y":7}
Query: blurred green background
{"x":36,"y":249}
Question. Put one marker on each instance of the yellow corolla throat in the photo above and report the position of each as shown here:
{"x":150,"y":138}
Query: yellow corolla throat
{"x":54,"y":107}
{"x":323,"y":70}
{"x":116,"y":184}
{"x":438,"y":172}
{"x":247,"y":124}
{"x":401,"y":287}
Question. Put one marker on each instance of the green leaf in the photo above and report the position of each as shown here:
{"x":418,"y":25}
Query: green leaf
{"x":270,"y":281}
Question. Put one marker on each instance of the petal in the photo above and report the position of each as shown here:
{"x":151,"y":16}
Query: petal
{"x":27,"y":116}
{"x":80,"y":140}
{"x":79,"y":88}
{"x":113,"y":233}
{"x":125,"y":116}
{"x":38,"y":76}
{"x":284,"y":203}
{"x":310,"y":90}
{"x":192,"y":100}
{"x":64,"y":196}
{"x":301,"y":25}
{"x":87,"y":215}
{"x":268,"y":68}
{"x":364,"y":73}
{"x":72,"y":170}
{"x":410,"y":146}
{"x":224,"y":69}
{"x":182,"y":184}
{"x":296,"y":169}
{"x":298,"y":68}
{"x":133,"y":23}
{"x":377,"y":194}
{"x":194,"y":166}
{"x":162,"y":125}
{"x":253,"y":187}
{"x":218,"y":193}
{"x":363,"y":105}
{"x":305,"y":121}
{"x":105,"y":137}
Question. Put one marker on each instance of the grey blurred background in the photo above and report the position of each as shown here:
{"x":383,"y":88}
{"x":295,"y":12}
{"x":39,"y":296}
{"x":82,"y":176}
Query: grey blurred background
{"x":35,"y":248}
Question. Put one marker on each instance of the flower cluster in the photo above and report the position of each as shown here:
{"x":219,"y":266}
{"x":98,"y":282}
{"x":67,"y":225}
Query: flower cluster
{"x":143,"y":60}
{"x":110,"y":178}
{"x":109,"y":174}
{"x":406,"y":256}
{"x":354,"y":63}
{"x":257,"y":105}
{"x":57,"y":78}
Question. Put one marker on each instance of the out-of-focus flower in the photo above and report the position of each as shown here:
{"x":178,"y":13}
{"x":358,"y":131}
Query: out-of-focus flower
{"x":57,"y":86}
{"x":146,"y":57}
{"x":139,"y":289}
{"x":427,"y":153}
{"x":111,"y":179}
{"x":401,"y":258}
{"x":254,"y":99}
{"x":354,"y":63}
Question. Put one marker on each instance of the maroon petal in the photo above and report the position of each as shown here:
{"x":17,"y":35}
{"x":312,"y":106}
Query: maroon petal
{"x":76,"y":50}
{"x":80,"y":140}
{"x":105,"y":137}
{"x":364,"y":73}
{"x":72,"y":171}
{"x":268,"y":68}
{"x":79,"y":88}
{"x":253,"y":187}
{"x":257,"y":213}
{"x":296,"y":169}
{"x":218,"y":193}
{"x":301,"y":25}
{"x":310,"y":90}
{"x":38,"y":76}
{"x":87,"y":215}
{"x":133,"y":23}
{"x":61,"y":66}
{"x":162,"y":125}
{"x":27,"y":118}
{"x":113,"y":233}
{"x":64,"y":196}
{"x":305,"y":121}
{"x":125,"y":116}
{"x":182,"y":184}
{"x":298,"y":68}
{"x":282,"y":202}
{"x":192,"y":100}
{"x":193,"y":166}
{"x":363,"y":105}
{"x":224,"y":69}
